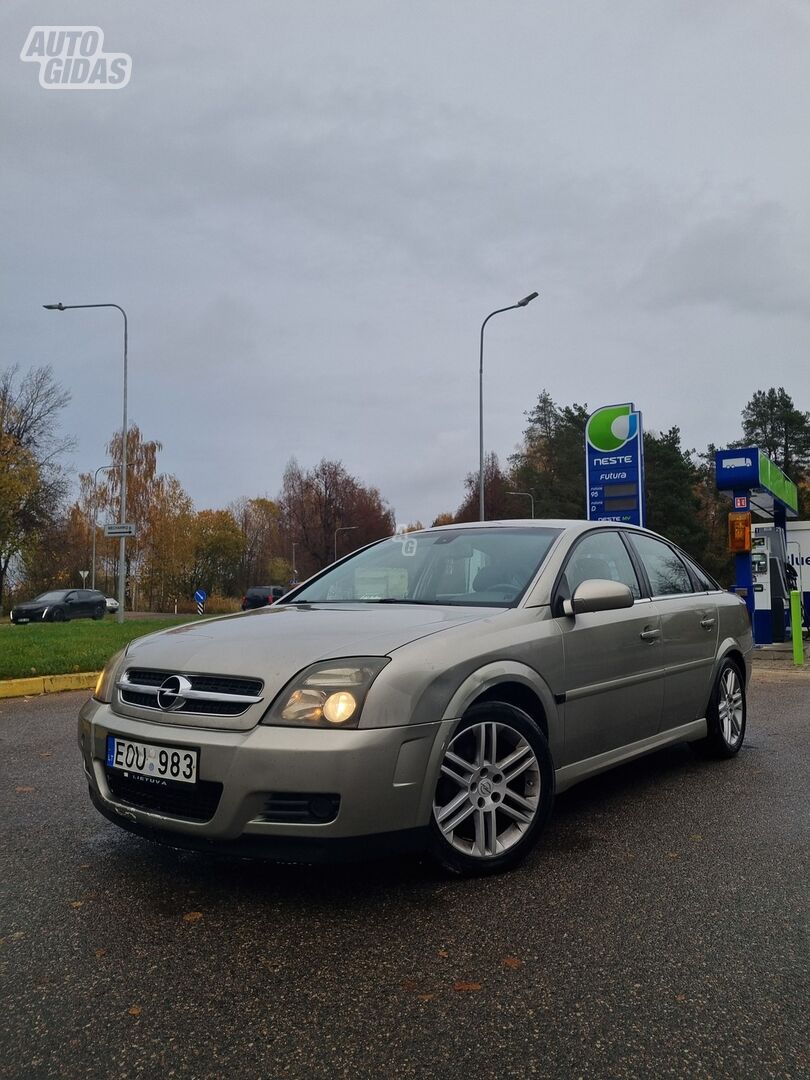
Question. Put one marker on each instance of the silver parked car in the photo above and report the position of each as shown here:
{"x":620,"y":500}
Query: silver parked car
{"x":432,"y":690}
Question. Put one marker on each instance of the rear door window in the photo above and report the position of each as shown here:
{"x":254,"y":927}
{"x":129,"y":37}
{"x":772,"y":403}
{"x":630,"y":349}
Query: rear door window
{"x":665,"y":568}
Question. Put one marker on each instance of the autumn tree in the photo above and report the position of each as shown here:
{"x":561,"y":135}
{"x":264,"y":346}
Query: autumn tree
{"x":32,"y":482}
{"x":497,"y":504}
{"x":218,"y":549}
{"x":315,"y":502}
{"x":264,"y":556}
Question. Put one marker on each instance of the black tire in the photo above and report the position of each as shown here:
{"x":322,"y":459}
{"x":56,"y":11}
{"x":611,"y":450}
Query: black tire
{"x":508,"y":840}
{"x":99,"y":612}
{"x":58,"y":615}
{"x":726,"y":715}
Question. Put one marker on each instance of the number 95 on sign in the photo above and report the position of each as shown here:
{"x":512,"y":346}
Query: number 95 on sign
{"x":152,"y":761}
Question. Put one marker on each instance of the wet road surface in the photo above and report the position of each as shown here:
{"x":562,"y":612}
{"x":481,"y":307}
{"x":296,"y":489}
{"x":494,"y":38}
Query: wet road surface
{"x":659,"y":930}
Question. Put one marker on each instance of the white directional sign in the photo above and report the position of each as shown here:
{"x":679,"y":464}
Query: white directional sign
{"x":127,"y":529}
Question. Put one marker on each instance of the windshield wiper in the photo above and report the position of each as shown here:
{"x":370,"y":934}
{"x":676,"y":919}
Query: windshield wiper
{"x":395,"y":600}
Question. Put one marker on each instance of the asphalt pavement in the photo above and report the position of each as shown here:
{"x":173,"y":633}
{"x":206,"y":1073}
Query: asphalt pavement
{"x":659,"y":931}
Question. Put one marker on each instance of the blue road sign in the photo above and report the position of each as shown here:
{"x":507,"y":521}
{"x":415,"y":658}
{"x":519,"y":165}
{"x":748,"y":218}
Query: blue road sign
{"x":200,"y":596}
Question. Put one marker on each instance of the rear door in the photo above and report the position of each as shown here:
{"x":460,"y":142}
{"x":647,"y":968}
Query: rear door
{"x":689,"y":630}
{"x":614,"y":665}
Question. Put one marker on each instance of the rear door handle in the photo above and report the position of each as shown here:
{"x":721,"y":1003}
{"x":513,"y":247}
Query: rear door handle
{"x":707,"y":624}
{"x":650,"y":635}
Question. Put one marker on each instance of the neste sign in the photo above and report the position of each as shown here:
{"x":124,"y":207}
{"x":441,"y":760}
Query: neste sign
{"x":614,"y":465}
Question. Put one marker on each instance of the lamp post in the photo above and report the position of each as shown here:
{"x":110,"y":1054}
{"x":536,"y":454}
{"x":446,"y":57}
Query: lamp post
{"x":528,"y":495}
{"x":122,"y":551}
{"x":101,"y":468}
{"x":343,"y":528}
{"x":521,"y":303}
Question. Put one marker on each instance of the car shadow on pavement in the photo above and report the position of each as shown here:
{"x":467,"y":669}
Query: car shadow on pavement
{"x":165,"y":875}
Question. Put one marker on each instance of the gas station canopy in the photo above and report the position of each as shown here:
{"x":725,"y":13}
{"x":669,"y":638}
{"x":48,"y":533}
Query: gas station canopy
{"x":750,"y":470}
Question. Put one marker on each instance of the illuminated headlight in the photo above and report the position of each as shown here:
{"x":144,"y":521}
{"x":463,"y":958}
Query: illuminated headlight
{"x":329,"y":694}
{"x":106,"y":680}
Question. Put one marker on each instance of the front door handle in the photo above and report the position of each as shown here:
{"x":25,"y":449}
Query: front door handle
{"x":650,"y":635}
{"x":707,"y":624}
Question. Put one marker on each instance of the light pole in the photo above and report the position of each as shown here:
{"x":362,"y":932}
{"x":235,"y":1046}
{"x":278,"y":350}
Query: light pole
{"x":343,"y":528}
{"x":101,"y":468}
{"x":528,"y":494}
{"x":521,"y":303}
{"x":122,"y":549}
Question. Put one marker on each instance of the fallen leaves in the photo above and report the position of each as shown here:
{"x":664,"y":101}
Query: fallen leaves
{"x":100,"y":953}
{"x":77,"y":903}
{"x":192,"y":916}
{"x":134,"y":1010}
{"x":512,"y":962}
{"x":463,"y":987}
{"x":24,"y":790}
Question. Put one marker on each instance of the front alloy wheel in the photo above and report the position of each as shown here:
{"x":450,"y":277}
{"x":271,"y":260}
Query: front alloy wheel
{"x":494,"y":793}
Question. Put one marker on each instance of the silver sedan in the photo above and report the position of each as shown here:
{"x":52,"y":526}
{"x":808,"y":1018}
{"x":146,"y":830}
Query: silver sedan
{"x":433,"y":690}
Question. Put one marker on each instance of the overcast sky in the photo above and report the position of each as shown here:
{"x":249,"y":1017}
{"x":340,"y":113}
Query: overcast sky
{"x":308,"y":208}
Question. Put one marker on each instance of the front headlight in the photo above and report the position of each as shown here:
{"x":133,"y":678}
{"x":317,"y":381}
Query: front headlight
{"x":106,"y":680}
{"x":329,"y":694}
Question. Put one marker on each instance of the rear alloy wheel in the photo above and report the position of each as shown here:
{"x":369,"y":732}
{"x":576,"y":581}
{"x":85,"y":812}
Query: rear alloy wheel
{"x":726,"y":715}
{"x":99,"y":612}
{"x":494,"y":792}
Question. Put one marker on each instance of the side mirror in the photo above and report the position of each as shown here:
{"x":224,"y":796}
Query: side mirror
{"x":598,"y":594}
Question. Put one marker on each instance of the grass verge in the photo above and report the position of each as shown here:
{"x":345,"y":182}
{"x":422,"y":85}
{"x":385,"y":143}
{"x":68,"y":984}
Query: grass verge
{"x":62,"y":648}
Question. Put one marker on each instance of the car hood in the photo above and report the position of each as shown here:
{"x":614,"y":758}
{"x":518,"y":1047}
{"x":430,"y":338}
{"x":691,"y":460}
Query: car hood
{"x":275,"y":643}
{"x":32,"y":605}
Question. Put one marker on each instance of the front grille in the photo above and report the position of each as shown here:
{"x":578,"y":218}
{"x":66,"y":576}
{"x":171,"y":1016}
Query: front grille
{"x":135,"y":689}
{"x":194,"y":802}
{"x":300,"y":808}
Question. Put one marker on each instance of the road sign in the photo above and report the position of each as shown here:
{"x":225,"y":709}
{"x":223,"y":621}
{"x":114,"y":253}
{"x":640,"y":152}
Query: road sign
{"x":200,"y":596}
{"x":127,"y":529}
{"x":83,"y":575}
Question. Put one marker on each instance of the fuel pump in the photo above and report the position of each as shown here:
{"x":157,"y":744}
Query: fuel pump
{"x":771,"y":586}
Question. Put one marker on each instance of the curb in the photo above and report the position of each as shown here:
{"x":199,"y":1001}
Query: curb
{"x":48,"y":684}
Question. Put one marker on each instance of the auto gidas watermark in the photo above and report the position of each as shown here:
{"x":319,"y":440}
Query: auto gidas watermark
{"x":73,"y":58}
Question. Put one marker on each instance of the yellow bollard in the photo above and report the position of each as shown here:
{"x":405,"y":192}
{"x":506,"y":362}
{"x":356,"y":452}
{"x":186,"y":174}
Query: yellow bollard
{"x":796,"y":628}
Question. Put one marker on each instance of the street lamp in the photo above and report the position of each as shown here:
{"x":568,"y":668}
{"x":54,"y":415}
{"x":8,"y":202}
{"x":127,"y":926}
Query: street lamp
{"x":101,"y":468}
{"x":521,"y":303}
{"x":528,"y":495}
{"x":343,"y":528}
{"x":122,"y":551}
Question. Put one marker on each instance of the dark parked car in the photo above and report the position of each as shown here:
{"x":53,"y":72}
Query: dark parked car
{"x":261,"y":596}
{"x":61,"y":605}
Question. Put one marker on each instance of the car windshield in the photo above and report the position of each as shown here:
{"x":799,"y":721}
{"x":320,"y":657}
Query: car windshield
{"x":51,"y":597}
{"x":471,"y":567}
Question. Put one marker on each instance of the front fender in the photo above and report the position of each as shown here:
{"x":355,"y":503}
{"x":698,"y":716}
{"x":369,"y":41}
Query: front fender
{"x":475,"y":684}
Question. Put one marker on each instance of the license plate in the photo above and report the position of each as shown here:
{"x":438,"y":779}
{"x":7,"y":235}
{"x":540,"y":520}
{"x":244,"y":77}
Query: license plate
{"x":151,"y":759}
{"x":21,"y":621}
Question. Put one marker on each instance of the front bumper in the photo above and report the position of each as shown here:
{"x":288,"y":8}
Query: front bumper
{"x":384,"y":778}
